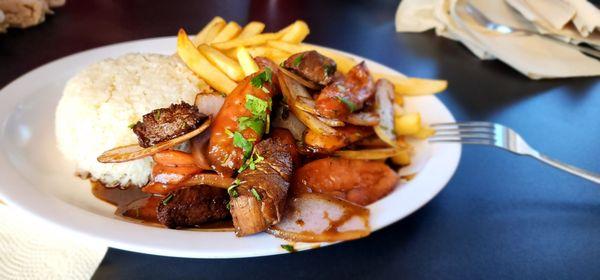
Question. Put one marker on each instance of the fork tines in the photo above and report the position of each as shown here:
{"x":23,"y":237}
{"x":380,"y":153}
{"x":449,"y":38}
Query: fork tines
{"x":482,"y":133}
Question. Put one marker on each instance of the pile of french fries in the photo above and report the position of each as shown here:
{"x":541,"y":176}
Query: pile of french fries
{"x":222,"y":54}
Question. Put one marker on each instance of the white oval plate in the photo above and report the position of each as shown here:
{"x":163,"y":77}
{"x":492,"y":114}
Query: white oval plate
{"x":37,"y":179}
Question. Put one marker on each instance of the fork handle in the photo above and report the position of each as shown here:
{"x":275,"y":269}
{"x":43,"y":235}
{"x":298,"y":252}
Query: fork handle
{"x":594,"y":177}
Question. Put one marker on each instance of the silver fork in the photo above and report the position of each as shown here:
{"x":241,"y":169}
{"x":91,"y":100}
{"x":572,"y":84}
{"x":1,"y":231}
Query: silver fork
{"x":487,"y":23}
{"x":492,"y":134}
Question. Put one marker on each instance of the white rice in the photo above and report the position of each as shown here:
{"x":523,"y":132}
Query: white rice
{"x":100,"y":103}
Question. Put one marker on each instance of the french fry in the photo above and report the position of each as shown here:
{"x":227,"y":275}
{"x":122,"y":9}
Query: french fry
{"x":192,"y":57}
{"x":413,"y":86}
{"x":398,"y":99}
{"x":274,"y":54}
{"x":210,"y":30}
{"x":296,"y":33}
{"x":228,"y":32}
{"x":231,"y":53}
{"x":251,"y":29}
{"x":402,"y":158}
{"x":285,"y":30}
{"x":416,"y":86}
{"x":248,"y":41}
{"x":286,"y":47}
{"x":246,"y":61}
{"x":266,"y":51}
{"x":407,"y":124}
{"x":229,"y":66}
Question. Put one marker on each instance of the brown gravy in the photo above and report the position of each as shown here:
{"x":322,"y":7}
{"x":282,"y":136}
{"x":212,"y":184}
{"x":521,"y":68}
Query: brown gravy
{"x":138,"y":206}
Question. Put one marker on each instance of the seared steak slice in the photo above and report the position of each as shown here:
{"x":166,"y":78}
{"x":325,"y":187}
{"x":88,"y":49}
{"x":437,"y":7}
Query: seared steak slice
{"x":167,"y":123}
{"x":188,"y":207}
{"x":312,"y":66}
{"x":259,"y":200}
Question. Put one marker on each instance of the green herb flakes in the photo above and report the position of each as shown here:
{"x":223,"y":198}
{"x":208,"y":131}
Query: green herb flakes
{"x":255,"y":123}
{"x":251,"y":162}
{"x":241,"y":142}
{"x":288,"y":247}
{"x":256,"y":194}
{"x":167,"y":200}
{"x":264,"y":77}
{"x":297,"y":60}
{"x":256,"y":105}
{"x":228,"y":205}
{"x":351,"y":105}
{"x":131,"y":125}
{"x":232,"y":189}
{"x":157,"y":114}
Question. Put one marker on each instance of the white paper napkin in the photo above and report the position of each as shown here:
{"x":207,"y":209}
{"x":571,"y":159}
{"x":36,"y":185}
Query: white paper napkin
{"x":29,"y":250}
{"x":533,"y":55}
{"x":560,"y":17}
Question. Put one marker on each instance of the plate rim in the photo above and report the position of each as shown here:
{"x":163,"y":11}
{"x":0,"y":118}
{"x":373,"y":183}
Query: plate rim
{"x":36,"y":211}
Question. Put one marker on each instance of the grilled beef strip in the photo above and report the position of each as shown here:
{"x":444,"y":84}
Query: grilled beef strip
{"x":167,"y":123}
{"x":189,"y":207}
{"x":312,"y":66}
{"x":259,"y":200}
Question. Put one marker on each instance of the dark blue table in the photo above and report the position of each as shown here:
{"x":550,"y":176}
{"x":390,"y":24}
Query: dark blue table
{"x":500,"y":217}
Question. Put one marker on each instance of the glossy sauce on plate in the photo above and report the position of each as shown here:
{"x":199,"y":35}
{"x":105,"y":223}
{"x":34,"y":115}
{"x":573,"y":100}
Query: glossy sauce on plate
{"x":140,"y":207}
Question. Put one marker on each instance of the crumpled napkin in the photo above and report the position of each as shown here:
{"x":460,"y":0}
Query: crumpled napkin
{"x":29,"y":250}
{"x":532,"y":55}
{"x":25,"y":13}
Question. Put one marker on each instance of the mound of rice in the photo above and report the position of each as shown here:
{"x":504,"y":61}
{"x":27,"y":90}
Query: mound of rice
{"x":101,"y":102}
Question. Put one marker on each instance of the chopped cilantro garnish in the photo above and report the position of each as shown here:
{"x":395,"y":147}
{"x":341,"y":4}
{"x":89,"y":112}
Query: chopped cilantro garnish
{"x":297,"y":60}
{"x":258,"y":159}
{"x":288,"y":247}
{"x":228,"y":205}
{"x":351,"y":105}
{"x":166,"y":200}
{"x":256,"y":105}
{"x":131,"y":125}
{"x":231,"y":190}
{"x":256,"y":123}
{"x":256,"y":194}
{"x":268,"y":75}
{"x":251,"y":162}
{"x":264,"y":77}
{"x":241,"y":142}
{"x":157,"y":114}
